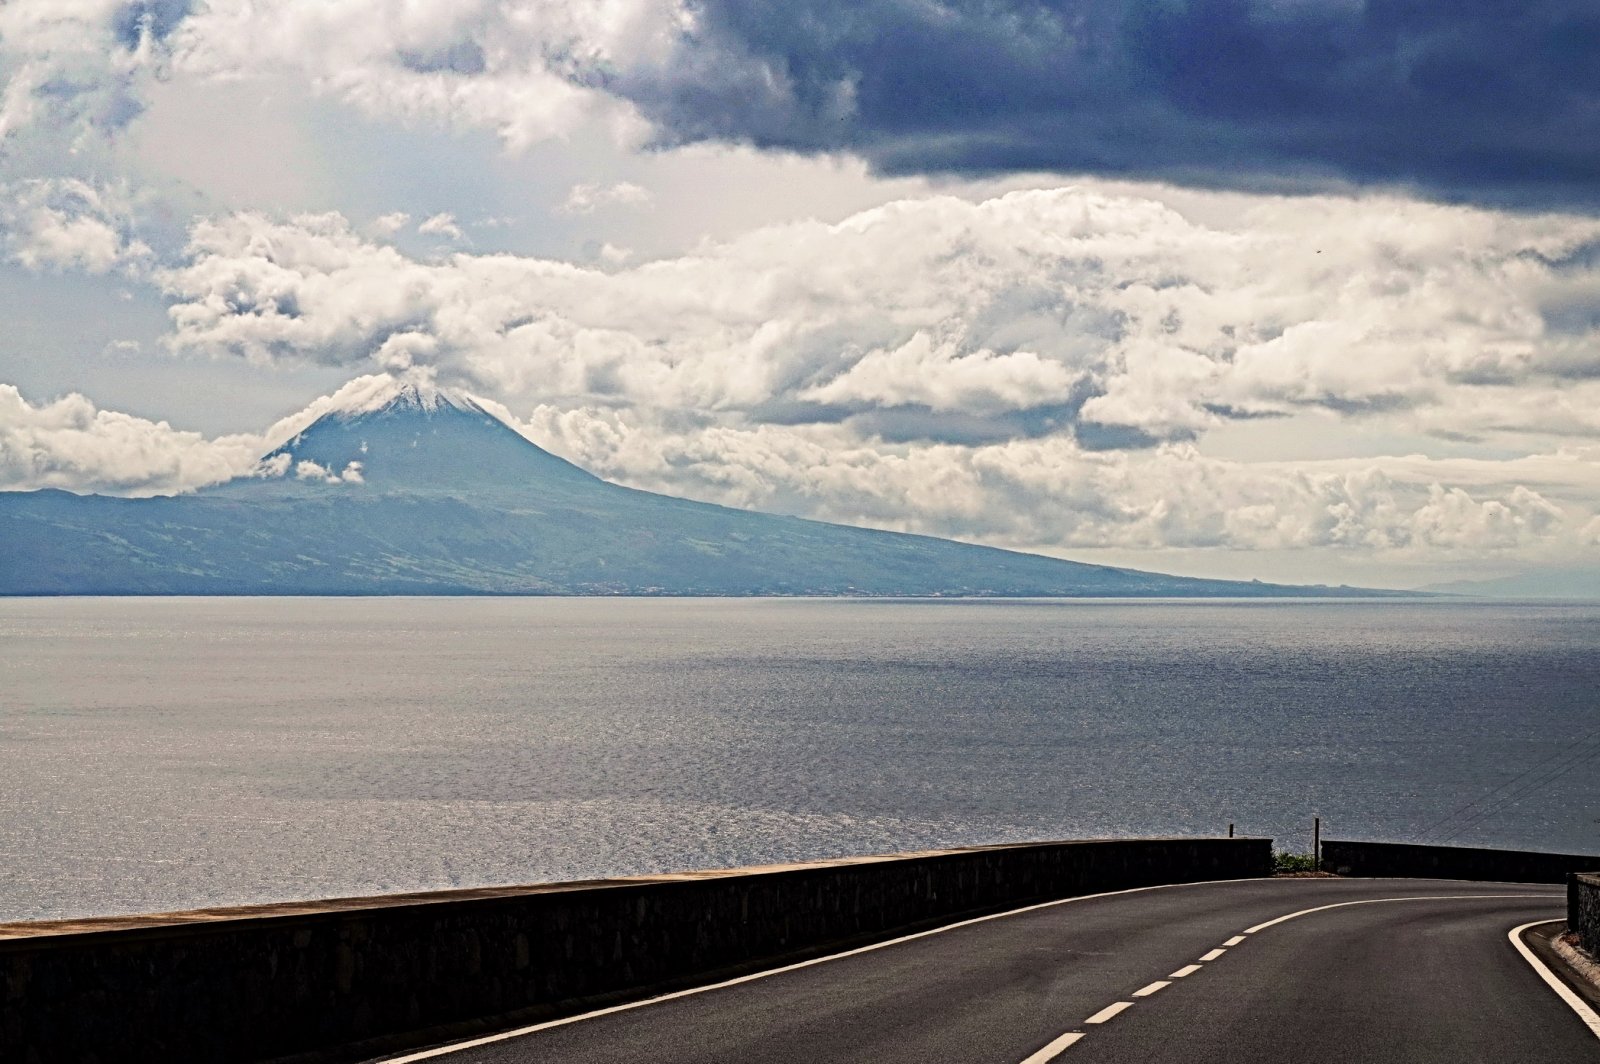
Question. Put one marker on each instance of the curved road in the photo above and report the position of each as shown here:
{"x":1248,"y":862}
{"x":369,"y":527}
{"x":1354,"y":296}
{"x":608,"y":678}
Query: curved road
{"x":1240,"y":972}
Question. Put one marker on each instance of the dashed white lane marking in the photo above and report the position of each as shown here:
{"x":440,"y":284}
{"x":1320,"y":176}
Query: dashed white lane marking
{"x":1581,"y":1007}
{"x":1109,"y":1011}
{"x":1054,"y":1049}
{"x":473,"y":1043}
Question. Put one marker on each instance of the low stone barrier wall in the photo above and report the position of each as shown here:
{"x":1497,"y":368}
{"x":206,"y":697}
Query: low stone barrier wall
{"x":329,"y":979}
{"x":1583,"y":911}
{"x":1407,"y":861}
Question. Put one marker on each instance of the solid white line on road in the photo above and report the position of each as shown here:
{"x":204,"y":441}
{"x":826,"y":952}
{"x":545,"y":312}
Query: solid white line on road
{"x":1213,"y":955}
{"x":1109,"y":1011}
{"x":1378,"y":901}
{"x":1054,"y":1049}
{"x":1581,"y":1007}
{"x":1234,"y":941}
{"x":1187,"y":969}
{"x":1146,"y":991}
{"x":473,"y":1043}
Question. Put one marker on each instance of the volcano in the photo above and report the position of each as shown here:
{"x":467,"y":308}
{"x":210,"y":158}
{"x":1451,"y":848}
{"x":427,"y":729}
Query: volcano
{"x":428,"y":492}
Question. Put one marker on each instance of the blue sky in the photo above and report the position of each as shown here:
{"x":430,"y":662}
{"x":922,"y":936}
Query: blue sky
{"x":1279,"y":288}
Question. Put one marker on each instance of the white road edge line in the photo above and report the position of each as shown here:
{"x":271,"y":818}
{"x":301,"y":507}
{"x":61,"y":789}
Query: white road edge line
{"x":1234,"y":941}
{"x":503,"y":1036}
{"x":1377,"y":901}
{"x":1213,"y":955}
{"x":1109,"y":1011}
{"x":1581,"y":1007}
{"x":1146,"y":991}
{"x":1187,"y":969}
{"x":1054,"y":1049}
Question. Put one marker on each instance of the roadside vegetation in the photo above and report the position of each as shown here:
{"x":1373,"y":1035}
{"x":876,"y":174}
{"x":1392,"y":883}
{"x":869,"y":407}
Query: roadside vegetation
{"x":1287,"y":863}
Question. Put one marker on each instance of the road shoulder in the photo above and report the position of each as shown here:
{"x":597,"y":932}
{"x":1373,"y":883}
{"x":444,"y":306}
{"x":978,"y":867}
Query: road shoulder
{"x":1580,"y":975}
{"x":1577,"y":969}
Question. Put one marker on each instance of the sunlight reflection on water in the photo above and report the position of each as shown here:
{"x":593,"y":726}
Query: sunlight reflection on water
{"x":170,"y":753}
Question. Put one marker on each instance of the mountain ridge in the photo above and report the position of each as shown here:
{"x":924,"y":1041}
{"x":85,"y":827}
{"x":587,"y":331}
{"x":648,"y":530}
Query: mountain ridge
{"x":1555,"y":585}
{"x":424,"y":491}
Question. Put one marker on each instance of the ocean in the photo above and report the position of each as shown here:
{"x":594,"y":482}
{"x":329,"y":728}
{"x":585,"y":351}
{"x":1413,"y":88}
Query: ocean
{"x":160,"y":754}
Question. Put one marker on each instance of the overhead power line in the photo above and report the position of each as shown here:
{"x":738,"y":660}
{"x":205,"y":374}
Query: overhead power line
{"x":1570,"y":752}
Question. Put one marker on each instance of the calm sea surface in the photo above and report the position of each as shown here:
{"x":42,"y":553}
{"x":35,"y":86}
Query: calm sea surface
{"x":160,"y":754}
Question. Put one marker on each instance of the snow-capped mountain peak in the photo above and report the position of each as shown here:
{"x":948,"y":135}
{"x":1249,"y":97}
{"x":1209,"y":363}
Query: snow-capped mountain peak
{"x":416,"y":388}
{"x":405,"y":432}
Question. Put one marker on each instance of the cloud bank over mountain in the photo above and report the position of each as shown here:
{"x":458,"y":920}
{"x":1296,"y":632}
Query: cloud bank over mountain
{"x":1030,"y":370}
{"x":1359,"y":315}
{"x":1035,"y":493}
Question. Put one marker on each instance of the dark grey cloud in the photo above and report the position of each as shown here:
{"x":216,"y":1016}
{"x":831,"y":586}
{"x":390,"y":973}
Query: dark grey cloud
{"x":460,"y":57}
{"x":912,"y":423}
{"x":1483,"y":100}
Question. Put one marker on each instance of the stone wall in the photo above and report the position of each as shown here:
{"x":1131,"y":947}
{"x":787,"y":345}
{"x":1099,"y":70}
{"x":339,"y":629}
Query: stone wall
{"x":336,"y":978}
{"x":1381,"y":860}
{"x":1583,"y":911}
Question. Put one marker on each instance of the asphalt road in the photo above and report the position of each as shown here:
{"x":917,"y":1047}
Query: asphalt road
{"x":1419,"y":971}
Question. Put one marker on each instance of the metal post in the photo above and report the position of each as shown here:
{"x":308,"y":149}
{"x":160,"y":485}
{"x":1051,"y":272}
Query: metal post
{"x":1230,"y":829}
{"x":1316,"y":844}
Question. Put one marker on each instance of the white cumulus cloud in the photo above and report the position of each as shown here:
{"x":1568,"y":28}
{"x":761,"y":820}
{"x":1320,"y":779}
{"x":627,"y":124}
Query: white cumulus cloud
{"x":391,"y":223}
{"x":73,"y":71}
{"x":71,"y":444}
{"x":521,"y":69}
{"x":587,"y":198}
{"x":442,"y":224}
{"x":68,"y":224}
{"x":945,"y":318}
{"x":1049,"y":494}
